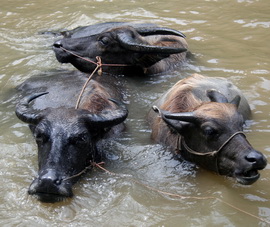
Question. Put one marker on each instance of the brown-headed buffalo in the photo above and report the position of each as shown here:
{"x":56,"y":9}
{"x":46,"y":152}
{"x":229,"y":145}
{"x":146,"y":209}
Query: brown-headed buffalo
{"x":202,"y":119}
{"x":143,"y":48}
{"x":67,"y":138}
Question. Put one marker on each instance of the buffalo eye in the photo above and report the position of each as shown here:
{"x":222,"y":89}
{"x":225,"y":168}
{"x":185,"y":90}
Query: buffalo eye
{"x":209,"y":132}
{"x":41,"y":136}
{"x":104,"y":40}
{"x":79,"y":139}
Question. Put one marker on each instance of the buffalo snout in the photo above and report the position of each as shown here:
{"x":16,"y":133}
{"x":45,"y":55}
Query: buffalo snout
{"x":50,"y":187}
{"x":249,"y":173}
{"x":61,"y":55}
{"x":57,"y":44}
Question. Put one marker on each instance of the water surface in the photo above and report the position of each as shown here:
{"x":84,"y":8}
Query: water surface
{"x":228,"y":39}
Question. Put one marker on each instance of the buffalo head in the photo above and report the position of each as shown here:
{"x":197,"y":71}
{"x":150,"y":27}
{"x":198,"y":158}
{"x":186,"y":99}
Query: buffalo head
{"x":121,"y":45}
{"x":66,"y":140}
{"x":211,"y":136}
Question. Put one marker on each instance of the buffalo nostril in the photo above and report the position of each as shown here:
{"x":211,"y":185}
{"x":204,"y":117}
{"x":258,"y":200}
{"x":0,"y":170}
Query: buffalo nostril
{"x":253,"y":156}
{"x":58,"y":182}
{"x":251,"y":159}
{"x":257,"y":159}
{"x":50,"y":177}
{"x":57,"y":44}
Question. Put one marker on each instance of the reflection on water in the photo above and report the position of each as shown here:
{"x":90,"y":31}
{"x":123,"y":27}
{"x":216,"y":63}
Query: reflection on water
{"x":227,"y":38}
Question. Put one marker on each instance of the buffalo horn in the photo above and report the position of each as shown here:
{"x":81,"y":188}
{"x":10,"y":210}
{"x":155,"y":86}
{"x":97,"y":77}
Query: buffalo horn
{"x":144,"y":31}
{"x":186,"y":116}
{"x":109,"y":118}
{"x":131,"y":44}
{"x":23,"y":112}
{"x":176,"y":124}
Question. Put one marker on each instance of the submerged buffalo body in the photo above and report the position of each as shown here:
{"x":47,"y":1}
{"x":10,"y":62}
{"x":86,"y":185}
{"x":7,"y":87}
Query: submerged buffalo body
{"x":143,"y":48}
{"x":202,"y":118}
{"x":67,"y":137}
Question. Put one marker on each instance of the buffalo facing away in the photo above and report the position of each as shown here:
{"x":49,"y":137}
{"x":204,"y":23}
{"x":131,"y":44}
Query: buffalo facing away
{"x":202,"y":118}
{"x":67,"y":138}
{"x":144,"y":48}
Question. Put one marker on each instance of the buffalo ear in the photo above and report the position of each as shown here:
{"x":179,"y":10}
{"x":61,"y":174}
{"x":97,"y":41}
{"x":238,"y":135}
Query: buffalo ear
{"x":216,"y":96}
{"x":178,"y":126}
{"x":236,"y":100}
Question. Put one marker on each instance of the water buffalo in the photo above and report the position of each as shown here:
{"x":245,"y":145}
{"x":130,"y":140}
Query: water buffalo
{"x":145,"y":48}
{"x":67,"y":138}
{"x":202,"y":119}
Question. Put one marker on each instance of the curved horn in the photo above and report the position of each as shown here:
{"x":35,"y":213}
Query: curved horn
{"x":186,"y":116}
{"x":144,"y":31}
{"x":176,"y":124}
{"x":129,"y":43}
{"x":23,"y":112}
{"x":109,"y":118}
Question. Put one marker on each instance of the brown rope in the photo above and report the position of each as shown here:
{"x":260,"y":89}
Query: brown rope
{"x":185,"y":197}
{"x":84,"y":86}
{"x":98,"y":68}
{"x":211,"y":153}
{"x":214,"y":153}
{"x":95,"y":63}
{"x":98,"y":165}
{"x":92,"y":164}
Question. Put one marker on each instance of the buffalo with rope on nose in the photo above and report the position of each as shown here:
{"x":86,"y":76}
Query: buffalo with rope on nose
{"x":202,"y":119}
{"x":145,"y":49}
{"x":68,"y":139}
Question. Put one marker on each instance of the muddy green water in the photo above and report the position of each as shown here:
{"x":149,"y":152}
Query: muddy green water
{"x":228,"y":38}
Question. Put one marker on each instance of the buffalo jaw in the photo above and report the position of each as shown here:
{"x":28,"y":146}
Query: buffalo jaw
{"x":48,"y":189}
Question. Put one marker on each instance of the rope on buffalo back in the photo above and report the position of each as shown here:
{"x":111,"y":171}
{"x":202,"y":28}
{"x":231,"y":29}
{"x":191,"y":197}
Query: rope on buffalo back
{"x":181,"y":196}
{"x":98,"y":68}
{"x":85,"y":84}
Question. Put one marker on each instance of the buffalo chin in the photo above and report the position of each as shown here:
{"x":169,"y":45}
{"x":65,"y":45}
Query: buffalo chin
{"x":60,"y":55}
{"x":51,"y":198}
{"x":248,"y":178}
{"x":48,"y":193}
